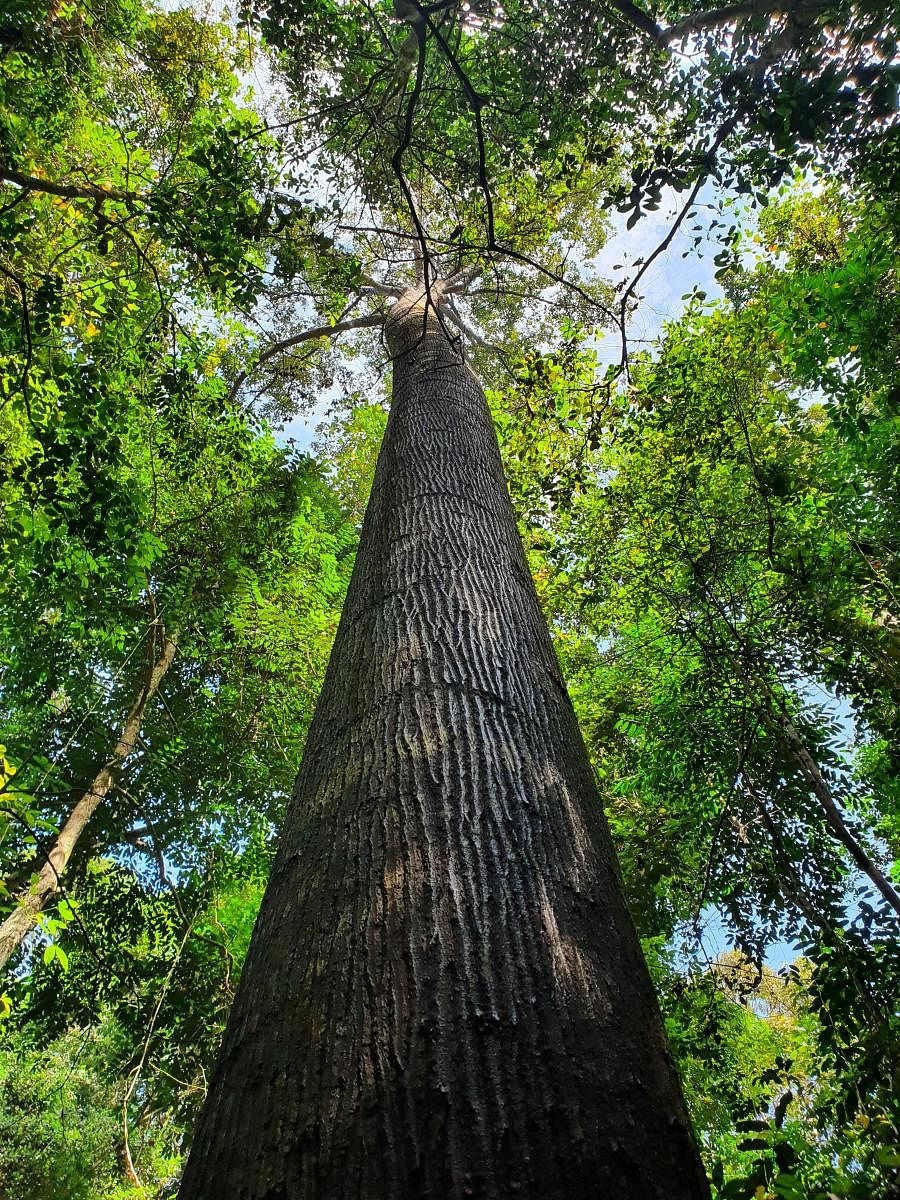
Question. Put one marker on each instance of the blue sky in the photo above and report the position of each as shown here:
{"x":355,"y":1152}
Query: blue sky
{"x":661,"y":288}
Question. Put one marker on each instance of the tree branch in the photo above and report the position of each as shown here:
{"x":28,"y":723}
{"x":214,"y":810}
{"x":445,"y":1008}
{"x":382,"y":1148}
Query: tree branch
{"x":734,"y":12}
{"x":796,"y":891}
{"x":640,"y":20}
{"x":458,"y":283}
{"x":71,"y":191}
{"x":720,"y":137}
{"x":367,"y":322}
{"x":472,"y":334}
{"x":832,"y":813}
{"x":35,"y":898}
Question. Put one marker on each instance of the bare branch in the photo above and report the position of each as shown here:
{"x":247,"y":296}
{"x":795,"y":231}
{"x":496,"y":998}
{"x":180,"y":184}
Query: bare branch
{"x":457,"y":283}
{"x":714,"y":18}
{"x":417,"y":33}
{"x":472,"y":334}
{"x":831,"y":811}
{"x":375,"y":287}
{"x":320,"y":331}
{"x":667,"y":240}
{"x":478,"y":340}
{"x":640,"y":20}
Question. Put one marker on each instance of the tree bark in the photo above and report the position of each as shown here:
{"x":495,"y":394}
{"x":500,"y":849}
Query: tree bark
{"x":444,"y":995}
{"x":32,"y":900}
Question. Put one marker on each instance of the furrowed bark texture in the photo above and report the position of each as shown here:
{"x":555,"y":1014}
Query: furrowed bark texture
{"x":444,"y":996}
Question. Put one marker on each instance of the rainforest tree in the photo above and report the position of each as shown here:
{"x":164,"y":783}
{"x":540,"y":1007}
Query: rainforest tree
{"x":445,"y":890}
{"x":393,"y":866}
{"x":436,"y":192}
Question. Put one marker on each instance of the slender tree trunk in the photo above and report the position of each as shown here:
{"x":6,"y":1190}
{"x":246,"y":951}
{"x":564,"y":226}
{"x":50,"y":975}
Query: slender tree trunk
{"x":833,"y":817}
{"x":444,"y":995}
{"x":794,"y":888}
{"x":32,"y":901}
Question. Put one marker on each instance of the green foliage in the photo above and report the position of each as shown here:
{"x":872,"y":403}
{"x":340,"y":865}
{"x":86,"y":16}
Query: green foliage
{"x":714,"y":538}
{"x":748,"y":1044}
{"x":350,"y":445}
{"x":137,"y":498}
{"x":59,"y":1120}
{"x":166,"y":964}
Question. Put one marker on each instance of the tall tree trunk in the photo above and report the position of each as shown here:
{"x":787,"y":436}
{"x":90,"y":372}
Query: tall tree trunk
{"x":444,"y":995}
{"x":32,"y":901}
